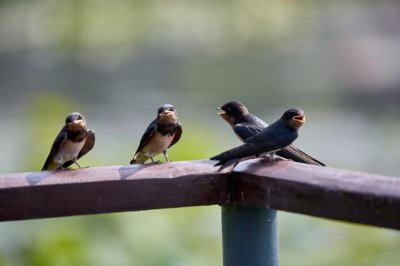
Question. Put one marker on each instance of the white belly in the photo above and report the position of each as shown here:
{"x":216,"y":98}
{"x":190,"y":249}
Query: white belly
{"x":69,"y":151}
{"x":158,"y":144}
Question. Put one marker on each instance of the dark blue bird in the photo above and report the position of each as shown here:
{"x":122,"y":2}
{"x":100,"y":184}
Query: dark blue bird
{"x":245,"y":125}
{"x":269,"y":140}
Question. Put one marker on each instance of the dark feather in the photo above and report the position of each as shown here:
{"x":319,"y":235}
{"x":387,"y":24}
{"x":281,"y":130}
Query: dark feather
{"x":150,"y":130}
{"x":230,"y":163}
{"x":248,"y":125}
{"x":270,"y":139}
{"x":58,"y":143}
{"x":178,"y":134}
{"x":246,"y":130}
{"x":89,"y":143}
{"x":244,"y":151}
{"x":295,"y":154}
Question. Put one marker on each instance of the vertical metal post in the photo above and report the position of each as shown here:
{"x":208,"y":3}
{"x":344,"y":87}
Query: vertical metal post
{"x":249,"y":236}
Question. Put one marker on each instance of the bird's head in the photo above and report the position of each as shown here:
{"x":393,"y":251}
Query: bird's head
{"x":167,"y":114}
{"x":294,"y":117}
{"x":75,"y":121}
{"x":231,"y":111}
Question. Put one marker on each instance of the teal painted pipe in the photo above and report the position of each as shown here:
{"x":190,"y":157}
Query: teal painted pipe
{"x":249,"y":236}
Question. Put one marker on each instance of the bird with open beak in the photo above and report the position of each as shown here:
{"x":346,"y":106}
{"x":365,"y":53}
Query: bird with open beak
{"x":245,"y":125}
{"x":269,"y":140}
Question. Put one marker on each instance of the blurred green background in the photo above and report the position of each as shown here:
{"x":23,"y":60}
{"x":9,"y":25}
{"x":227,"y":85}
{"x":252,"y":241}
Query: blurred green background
{"x":118,"y":61}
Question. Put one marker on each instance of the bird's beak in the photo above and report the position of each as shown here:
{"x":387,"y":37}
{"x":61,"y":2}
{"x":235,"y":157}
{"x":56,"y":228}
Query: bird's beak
{"x":76,"y":124}
{"x":225,"y":116}
{"x":166,"y":112}
{"x":220,"y":111}
{"x":168,"y":116}
{"x":300,"y":118}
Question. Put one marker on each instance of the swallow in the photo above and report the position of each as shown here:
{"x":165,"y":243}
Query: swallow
{"x":269,"y":140}
{"x":160,"y":135}
{"x":245,"y":125}
{"x":73,"y":142}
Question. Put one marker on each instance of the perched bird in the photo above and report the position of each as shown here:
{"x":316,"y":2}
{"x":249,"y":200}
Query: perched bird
{"x":73,"y":141}
{"x":162,"y":133}
{"x":245,"y":125}
{"x":269,"y":140}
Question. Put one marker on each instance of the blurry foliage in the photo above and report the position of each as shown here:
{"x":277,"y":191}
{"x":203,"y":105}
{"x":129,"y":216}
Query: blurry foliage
{"x":120,"y":26}
{"x":187,"y":236}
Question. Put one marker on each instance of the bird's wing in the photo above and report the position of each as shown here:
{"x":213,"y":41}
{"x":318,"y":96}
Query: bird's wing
{"x":250,"y":126}
{"x":245,"y":130}
{"x":277,"y":134}
{"x":150,"y":130}
{"x":243,"y":151}
{"x":57,"y":144}
{"x":293,"y":153}
{"x":177,"y":135}
{"x":89,"y":143}
{"x":270,"y":139}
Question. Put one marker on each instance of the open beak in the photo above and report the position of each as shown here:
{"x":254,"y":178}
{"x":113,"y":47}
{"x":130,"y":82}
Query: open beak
{"x":300,"y":118}
{"x":220,"y":111}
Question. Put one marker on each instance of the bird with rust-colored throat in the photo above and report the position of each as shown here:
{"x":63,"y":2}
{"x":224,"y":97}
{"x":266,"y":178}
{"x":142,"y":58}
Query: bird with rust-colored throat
{"x":73,"y":142}
{"x":245,"y":125}
{"x":160,"y":135}
{"x":269,"y":140}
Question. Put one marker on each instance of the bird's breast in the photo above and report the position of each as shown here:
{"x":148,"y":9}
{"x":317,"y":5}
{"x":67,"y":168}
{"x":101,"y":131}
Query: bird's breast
{"x":69,"y":151}
{"x":159,"y":143}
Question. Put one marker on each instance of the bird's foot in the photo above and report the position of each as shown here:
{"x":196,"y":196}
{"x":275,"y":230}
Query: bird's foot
{"x":271,"y":157}
{"x":278,"y":158}
{"x":267,"y":158}
{"x":76,"y":162}
{"x":166,"y":156}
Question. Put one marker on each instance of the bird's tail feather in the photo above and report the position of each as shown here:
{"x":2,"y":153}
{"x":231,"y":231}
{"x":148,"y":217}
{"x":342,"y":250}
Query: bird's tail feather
{"x":295,"y":154}
{"x":50,"y":165}
{"x":238,"y":152}
{"x":230,"y":163}
{"x":139,"y":157}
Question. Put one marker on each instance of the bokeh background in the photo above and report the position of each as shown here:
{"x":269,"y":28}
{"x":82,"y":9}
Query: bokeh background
{"x":118,"y":61}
